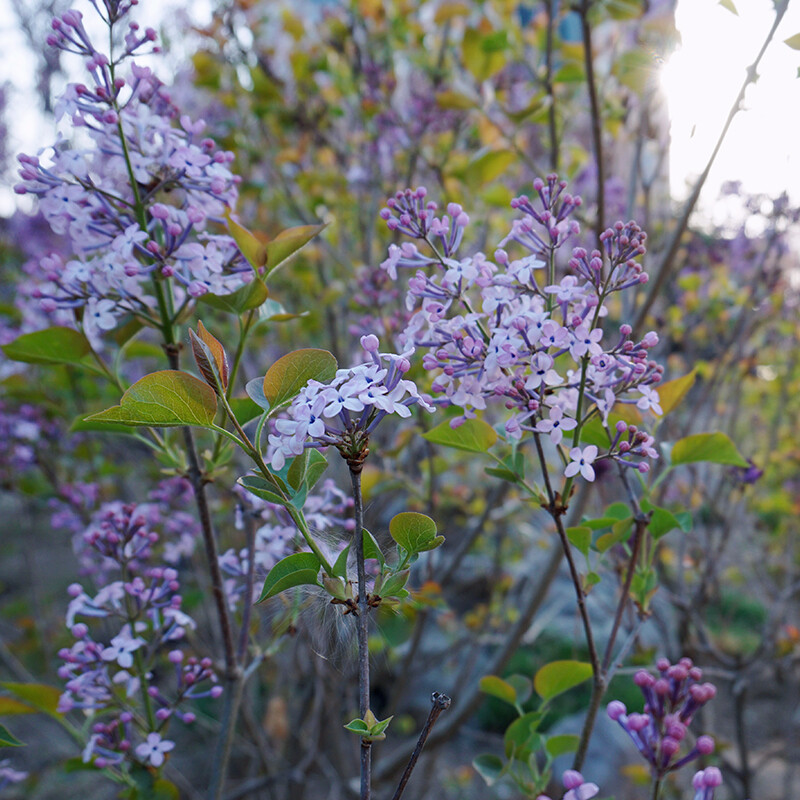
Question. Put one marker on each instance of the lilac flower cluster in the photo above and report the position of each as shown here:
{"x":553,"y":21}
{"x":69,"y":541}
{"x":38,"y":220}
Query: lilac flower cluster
{"x":135,"y":204}
{"x":671,"y":701}
{"x":105,"y":536}
{"x":26,"y":433}
{"x":112,"y":679}
{"x":344,"y":412}
{"x":326,"y":509}
{"x":577,"y":788}
{"x":496,"y":330}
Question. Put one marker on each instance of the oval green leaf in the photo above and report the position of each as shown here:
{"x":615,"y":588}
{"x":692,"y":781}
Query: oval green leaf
{"x":51,"y":346}
{"x":562,"y":743}
{"x":289,"y":374}
{"x":414,"y":532}
{"x":164,"y":399}
{"x":473,"y":435}
{"x":297,"y":569}
{"x":559,"y":676}
{"x":716,"y":448}
{"x":497,"y":687}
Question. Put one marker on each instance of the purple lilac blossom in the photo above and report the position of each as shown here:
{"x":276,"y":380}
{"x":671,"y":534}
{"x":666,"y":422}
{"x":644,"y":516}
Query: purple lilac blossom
{"x":344,"y":412}
{"x":503,"y":329}
{"x":577,"y":788}
{"x":138,"y":606}
{"x":136,"y":203}
{"x":671,"y":701}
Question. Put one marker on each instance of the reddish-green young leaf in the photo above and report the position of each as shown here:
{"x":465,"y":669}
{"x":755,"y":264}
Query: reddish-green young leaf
{"x":289,"y":242}
{"x":288,"y":375}
{"x":473,"y":435}
{"x":559,"y":676}
{"x":716,"y":448}
{"x":50,"y":346}
{"x":164,"y":399}
{"x":211,"y":358}
{"x":297,"y":569}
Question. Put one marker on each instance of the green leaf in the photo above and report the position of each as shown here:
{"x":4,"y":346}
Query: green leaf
{"x":793,"y":41}
{"x":716,"y":448}
{"x":489,"y":767}
{"x":357,"y":726}
{"x":10,"y":706}
{"x":522,"y":687}
{"x":618,"y":511}
{"x":255,"y":391}
{"x":81,"y":425}
{"x":50,"y":346}
{"x":521,"y":738}
{"x":482,"y":54}
{"x":289,"y":242}
{"x":581,"y":538}
{"x":245,"y":298}
{"x":297,"y":469}
{"x":317,"y":464}
{"x":164,"y":399}
{"x":288,"y":375}
{"x":619,"y":531}
{"x":563,"y":743}
{"x":671,"y":393}
{"x":340,"y":566}
{"x":599,"y":523}
{"x":485,"y":168}
{"x":273,"y":311}
{"x":559,"y":676}
{"x":394,"y":584}
{"x":372,"y":548}
{"x":662,"y":521}
{"x":635,"y":69}
{"x":594,"y":433}
{"x":414,"y":532}
{"x":454,"y":100}
{"x":261,"y":488}
{"x":39,"y":696}
{"x":473,"y":435}
{"x":497,"y":687}
{"x":729,"y":5}
{"x":7,"y":739}
{"x":250,"y":245}
{"x":244,"y":409}
{"x":297,"y":569}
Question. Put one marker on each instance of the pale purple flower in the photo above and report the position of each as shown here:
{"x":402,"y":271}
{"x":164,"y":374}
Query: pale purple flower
{"x":582,"y":461}
{"x":556,"y":425}
{"x":649,"y":401}
{"x":122,"y":648}
{"x":152,"y":750}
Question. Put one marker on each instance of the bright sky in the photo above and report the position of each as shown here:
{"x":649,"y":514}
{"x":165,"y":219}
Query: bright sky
{"x":701,"y":80}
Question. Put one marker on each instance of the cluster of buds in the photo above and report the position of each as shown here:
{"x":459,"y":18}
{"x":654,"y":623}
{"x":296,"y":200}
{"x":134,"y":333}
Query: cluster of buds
{"x":671,"y":701}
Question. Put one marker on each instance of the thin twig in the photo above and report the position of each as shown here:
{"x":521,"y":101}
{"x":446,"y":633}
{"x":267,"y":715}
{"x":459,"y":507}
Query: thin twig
{"x":439,"y":702}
